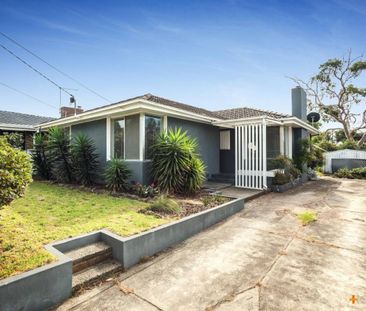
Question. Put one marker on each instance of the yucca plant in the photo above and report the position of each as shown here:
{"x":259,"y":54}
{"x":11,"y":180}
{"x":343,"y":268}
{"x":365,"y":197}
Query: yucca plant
{"x":116,"y":175}
{"x":41,"y":162}
{"x":60,"y":154}
{"x":175,"y":162}
{"x":195,"y":176}
{"x":84,"y":159}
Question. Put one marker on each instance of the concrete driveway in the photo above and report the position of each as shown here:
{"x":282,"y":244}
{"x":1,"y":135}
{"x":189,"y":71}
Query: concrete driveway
{"x":259,"y":259}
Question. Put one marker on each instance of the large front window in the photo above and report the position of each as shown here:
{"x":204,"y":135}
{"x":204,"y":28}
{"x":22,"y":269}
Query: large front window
{"x":152,"y":128}
{"x":119,"y":138}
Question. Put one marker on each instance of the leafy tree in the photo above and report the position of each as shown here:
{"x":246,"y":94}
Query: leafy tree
{"x":333,"y":93}
{"x":40,"y":157}
{"x":60,"y":154}
{"x":15,"y":172}
{"x":84,"y":158}
{"x":176,"y":166}
{"x":116,"y":175}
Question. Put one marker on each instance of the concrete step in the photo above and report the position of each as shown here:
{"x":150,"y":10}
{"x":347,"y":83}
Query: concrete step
{"x":95,"y":273}
{"x":89,"y":255}
{"x":222,"y":180}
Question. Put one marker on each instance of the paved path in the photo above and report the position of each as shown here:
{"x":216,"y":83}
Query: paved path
{"x":259,"y":259}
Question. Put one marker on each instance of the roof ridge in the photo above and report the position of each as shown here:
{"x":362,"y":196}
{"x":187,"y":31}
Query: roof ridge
{"x":26,"y":114}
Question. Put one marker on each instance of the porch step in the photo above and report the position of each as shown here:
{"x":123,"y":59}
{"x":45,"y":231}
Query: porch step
{"x":95,"y":273}
{"x":89,"y":255}
{"x":223,"y":178}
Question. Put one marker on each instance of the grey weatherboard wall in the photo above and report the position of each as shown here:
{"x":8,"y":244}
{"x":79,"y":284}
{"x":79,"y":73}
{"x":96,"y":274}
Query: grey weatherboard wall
{"x":97,"y":131}
{"x":208,"y":138}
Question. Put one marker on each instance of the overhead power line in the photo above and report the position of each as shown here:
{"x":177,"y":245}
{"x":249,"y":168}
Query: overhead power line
{"x":55,"y":68}
{"x":25,"y":94}
{"x":34,"y":69}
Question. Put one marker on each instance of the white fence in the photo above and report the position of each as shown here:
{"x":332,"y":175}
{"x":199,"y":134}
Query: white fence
{"x":250,"y":156}
{"x":341,"y":154}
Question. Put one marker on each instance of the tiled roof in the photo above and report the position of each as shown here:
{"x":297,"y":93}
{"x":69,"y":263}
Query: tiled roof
{"x":174,"y":104}
{"x":21,"y":119}
{"x":228,"y":114}
{"x":245,"y":112}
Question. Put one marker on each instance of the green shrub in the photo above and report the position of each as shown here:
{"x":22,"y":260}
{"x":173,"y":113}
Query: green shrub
{"x":287,"y":172}
{"x":116,"y":175}
{"x":356,"y":173}
{"x":84,"y":159}
{"x":280,"y":162}
{"x":195,"y":176}
{"x":16,"y":140}
{"x":281,"y":178}
{"x":60,"y":154}
{"x":41,"y":162}
{"x":164,"y":205}
{"x":176,"y":166}
{"x":15,"y":172}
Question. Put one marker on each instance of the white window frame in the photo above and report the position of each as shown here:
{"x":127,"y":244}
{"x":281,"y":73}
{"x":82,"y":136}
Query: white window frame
{"x":124,"y":135}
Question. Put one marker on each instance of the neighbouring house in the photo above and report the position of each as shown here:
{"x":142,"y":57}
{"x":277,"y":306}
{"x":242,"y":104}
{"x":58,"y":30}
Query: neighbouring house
{"x":235,"y":144}
{"x":21,"y":123}
{"x":346,"y":158}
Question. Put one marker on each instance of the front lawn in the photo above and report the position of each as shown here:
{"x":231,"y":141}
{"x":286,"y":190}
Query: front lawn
{"x":50,"y":212}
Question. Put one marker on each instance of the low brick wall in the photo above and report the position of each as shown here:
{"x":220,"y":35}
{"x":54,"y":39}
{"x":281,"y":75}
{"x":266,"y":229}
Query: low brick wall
{"x":41,"y":288}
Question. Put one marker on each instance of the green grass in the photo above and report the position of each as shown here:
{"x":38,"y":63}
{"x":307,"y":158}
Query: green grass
{"x":50,"y":212}
{"x":306,"y":217}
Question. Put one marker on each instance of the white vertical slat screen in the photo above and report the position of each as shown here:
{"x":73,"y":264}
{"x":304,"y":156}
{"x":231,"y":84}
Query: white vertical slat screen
{"x":250,"y":156}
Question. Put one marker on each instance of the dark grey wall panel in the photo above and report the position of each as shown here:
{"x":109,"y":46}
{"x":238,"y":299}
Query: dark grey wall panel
{"x":227,"y":157}
{"x":140,"y":171}
{"x":347,"y":163}
{"x":208,"y":138}
{"x":132,"y":134}
{"x":97,"y":131}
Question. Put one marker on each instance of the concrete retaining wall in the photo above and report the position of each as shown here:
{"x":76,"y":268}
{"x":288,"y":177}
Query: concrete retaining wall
{"x":41,"y":288}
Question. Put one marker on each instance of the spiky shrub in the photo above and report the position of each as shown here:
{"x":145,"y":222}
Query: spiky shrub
{"x":116,"y":175}
{"x":60,"y":154}
{"x":84,"y":159}
{"x":41,"y":162}
{"x":195,"y":176}
{"x":15,"y":172}
{"x":176,"y":166}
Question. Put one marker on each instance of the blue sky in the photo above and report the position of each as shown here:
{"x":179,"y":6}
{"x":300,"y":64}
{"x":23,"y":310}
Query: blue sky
{"x":213,"y":54}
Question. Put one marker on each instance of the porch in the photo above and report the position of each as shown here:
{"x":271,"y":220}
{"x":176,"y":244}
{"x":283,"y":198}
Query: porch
{"x":249,"y":147}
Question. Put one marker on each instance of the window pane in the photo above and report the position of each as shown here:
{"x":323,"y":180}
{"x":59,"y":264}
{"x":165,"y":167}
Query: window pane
{"x":152,"y":128}
{"x":118,"y":136}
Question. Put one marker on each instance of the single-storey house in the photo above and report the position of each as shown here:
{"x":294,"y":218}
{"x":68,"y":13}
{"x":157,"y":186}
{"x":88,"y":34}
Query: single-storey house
{"x":22,"y":124}
{"x":234,"y":143}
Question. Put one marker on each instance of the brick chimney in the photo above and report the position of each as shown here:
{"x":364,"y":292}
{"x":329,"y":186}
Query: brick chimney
{"x":69,"y":111}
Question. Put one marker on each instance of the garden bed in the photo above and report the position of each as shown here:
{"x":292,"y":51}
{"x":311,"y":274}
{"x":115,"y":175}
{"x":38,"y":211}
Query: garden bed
{"x":50,"y":284}
{"x":50,"y":212}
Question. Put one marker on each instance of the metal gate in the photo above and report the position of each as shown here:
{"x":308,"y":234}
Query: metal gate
{"x":251,"y":156}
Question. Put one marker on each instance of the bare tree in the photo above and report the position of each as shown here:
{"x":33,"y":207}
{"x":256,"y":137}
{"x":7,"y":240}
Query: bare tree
{"x":332,"y":93}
